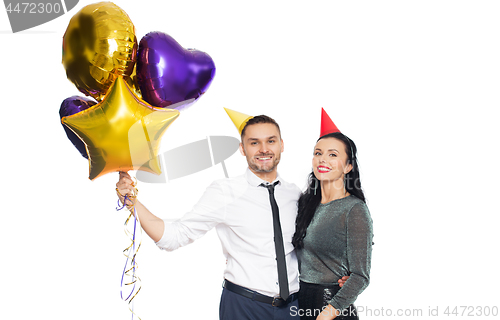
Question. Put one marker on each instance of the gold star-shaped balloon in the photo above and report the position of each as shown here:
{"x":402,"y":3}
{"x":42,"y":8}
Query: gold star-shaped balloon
{"x":122,"y":132}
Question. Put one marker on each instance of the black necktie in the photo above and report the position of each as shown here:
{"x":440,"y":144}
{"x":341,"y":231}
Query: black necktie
{"x":278,"y":243}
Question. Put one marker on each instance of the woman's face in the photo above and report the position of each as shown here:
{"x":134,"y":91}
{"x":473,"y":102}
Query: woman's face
{"x":329,"y":160}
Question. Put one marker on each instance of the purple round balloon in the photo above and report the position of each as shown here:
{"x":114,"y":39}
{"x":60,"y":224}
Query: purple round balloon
{"x":167,"y":73}
{"x":71,"y":106}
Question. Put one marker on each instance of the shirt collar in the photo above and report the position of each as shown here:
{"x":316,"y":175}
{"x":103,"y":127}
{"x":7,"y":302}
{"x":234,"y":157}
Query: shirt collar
{"x":255,"y":181}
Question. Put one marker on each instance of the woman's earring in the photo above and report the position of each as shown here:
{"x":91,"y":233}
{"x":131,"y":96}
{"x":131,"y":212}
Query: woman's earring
{"x":315,"y":185}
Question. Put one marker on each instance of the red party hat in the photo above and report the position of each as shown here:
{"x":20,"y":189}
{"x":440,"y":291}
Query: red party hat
{"x":327,"y":125}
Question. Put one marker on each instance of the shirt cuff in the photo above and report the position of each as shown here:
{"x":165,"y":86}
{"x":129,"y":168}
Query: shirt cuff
{"x":166,"y":241}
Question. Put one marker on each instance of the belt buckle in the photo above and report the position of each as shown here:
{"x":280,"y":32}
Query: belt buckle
{"x":276,"y":302}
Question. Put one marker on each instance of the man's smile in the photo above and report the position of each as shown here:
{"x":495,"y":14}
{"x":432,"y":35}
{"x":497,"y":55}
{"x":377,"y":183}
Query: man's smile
{"x":264,"y":157}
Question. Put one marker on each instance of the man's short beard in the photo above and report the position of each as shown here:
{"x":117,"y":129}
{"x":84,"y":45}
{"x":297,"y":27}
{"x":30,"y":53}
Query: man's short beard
{"x":255,"y":168}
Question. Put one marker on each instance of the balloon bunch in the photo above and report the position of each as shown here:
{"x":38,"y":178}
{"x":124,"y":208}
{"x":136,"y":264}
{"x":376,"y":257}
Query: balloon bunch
{"x":136,"y":90}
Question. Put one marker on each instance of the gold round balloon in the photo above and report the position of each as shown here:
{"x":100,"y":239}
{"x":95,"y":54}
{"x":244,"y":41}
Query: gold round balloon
{"x":98,"y":46}
{"x":133,"y":82}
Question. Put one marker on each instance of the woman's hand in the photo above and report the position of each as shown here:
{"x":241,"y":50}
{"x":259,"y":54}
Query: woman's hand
{"x":342,"y":280}
{"x":328,"y":313}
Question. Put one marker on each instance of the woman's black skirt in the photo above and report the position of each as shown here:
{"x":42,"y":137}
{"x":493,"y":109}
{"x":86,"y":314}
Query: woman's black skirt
{"x":314,"y":297}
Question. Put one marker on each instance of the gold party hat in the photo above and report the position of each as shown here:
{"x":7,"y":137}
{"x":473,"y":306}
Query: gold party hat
{"x":239,"y":119}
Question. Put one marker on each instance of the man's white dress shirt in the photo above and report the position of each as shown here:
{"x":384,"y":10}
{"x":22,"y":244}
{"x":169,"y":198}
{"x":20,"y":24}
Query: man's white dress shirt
{"x":240,"y":211}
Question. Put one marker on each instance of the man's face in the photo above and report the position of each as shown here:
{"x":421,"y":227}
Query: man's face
{"x":262,"y":146}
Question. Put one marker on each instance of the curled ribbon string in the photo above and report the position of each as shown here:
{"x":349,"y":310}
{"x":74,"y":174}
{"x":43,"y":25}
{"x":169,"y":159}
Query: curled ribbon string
{"x":131,"y":251}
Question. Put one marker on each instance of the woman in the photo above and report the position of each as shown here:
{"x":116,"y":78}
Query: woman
{"x":333,"y":236}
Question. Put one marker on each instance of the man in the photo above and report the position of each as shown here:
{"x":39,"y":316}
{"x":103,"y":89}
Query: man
{"x":261,"y":276}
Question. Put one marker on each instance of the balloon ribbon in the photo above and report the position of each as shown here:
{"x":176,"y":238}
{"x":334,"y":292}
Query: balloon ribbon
{"x":131,"y":251}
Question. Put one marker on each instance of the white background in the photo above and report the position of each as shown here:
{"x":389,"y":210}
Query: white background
{"x":414,"y":83}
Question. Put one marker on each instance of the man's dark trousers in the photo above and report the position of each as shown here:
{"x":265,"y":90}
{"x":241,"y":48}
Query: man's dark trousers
{"x":236,"y":307}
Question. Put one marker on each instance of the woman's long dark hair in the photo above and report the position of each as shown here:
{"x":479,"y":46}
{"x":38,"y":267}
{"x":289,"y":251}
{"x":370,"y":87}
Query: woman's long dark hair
{"x":311,"y":198}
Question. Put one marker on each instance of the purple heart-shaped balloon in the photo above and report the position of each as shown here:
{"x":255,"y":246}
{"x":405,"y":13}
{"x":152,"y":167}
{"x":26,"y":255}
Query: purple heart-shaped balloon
{"x":167,"y":73}
{"x":71,"y":106}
